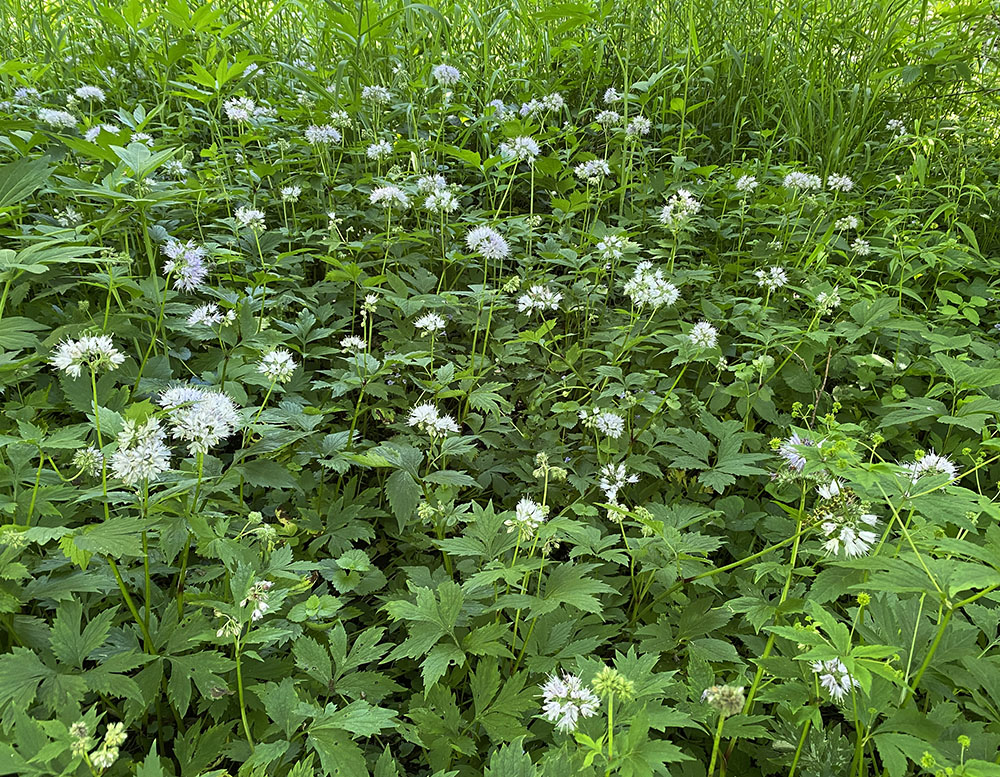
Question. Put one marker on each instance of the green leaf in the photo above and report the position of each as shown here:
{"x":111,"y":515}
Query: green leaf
{"x":21,"y":177}
{"x":511,"y":761}
{"x":68,"y":643}
{"x":338,"y":755}
{"x":404,"y":495}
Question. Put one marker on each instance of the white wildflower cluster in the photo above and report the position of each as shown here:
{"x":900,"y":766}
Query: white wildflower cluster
{"x":846,"y":223}
{"x":528,"y":518}
{"x":94,"y":132}
{"x":249,"y":218}
{"x":58,"y":119}
{"x":95,"y":352}
{"x":833,"y":676}
{"x":861,"y":247}
{"x":429,"y":323}
{"x":323,"y":134}
{"x":613,"y":478}
{"x":175,"y":168}
{"x":501,"y":111}
{"x":608,"y":119}
{"x":539,"y":299}
{"x":550,"y":103}
{"x":430,"y":183}
{"x":441,"y":201}
{"x":638,"y":126}
{"x":520,"y":149}
{"x":186,"y":264}
{"x":604,"y":421}
{"x":244,"y":110}
{"x":427,"y":419}
{"x":340,"y":119}
{"x":612,"y":247}
{"x":931,"y":464}
{"x":389,"y":197}
{"x":488,"y":242}
{"x":290,"y":193}
{"x":142,"y":454}
{"x":703,"y":335}
{"x":277,"y":365}
{"x":377,"y":95}
{"x":647,"y":286}
{"x":827,"y":301}
{"x":26,"y":94}
{"x":593,"y":171}
{"x":380,"y":149}
{"x":257,"y":597}
{"x":104,"y":757}
{"x":353,"y":344}
{"x":679,"y":210}
{"x":789,"y":450}
{"x":844,"y":521}
{"x":199,"y":416}
{"x":89,"y":461}
{"x":839,"y":183}
{"x":211,"y":314}
{"x":69,"y":217}
{"x":746,"y":184}
{"x":446,"y":75}
{"x":772,"y":279}
{"x":612,"y":96}
{"x":90,"y":93}
{"x":566,"y":699}
{"x":804,"y":182}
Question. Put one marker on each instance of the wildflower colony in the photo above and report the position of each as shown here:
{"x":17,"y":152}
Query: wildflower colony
{"x":396,"y":389}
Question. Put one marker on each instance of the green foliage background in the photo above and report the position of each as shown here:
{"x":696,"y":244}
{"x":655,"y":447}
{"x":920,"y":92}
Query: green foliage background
{"x":407,"y":631}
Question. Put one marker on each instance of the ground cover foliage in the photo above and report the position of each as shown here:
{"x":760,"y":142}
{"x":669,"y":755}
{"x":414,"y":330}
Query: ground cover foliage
{"x":499,"y":390}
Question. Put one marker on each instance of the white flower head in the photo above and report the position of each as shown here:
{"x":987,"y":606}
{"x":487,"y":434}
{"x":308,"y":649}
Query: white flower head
{"x":96,"y":352}
{"x":648,"y":286}
{"x":389,"y":197}
{"x":323,"y":134}
{"x":772,"y":278}
{"x":429,"y":323}
{"x":638,"y":127}
{"x":58,"y":119}
{"x":604,"y":421}
{"x":277,"y":365}
{"x":528,"y":518}
{"x":446,"y":75}
{"x":200,"y":416}
{"x":799,"y":181}
{"x":250,"y":218}
{"x":833,"y":676}
{"x":142,"y":454}
{"x":428,"y":420}
{"x":593,"y":171}
{"x":380,"y":149}
{"x":931,"y":464}
{"x":839,"y":183}
{"x":565,"y":700}
{"x":612,"y":478}
{"x":90,"y":93}
{"x":186,"y":263}
{"x":521,"y":149}
{"x":377,"y":95}
{"x":488,"y":242}
{"x":679,"y":210}
{"x":703,"y":335}
{"x":539,"y":298}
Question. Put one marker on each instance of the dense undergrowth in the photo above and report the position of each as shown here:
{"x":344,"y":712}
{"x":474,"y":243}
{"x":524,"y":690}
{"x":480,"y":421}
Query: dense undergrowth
{"x":521,"y":390}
